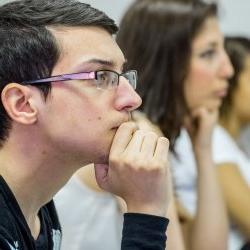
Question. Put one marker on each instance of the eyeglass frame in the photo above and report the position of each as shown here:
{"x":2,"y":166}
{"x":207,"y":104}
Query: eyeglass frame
{"x":92,"y":75}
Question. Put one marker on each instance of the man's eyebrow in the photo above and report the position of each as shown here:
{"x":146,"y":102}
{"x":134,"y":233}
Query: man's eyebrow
{"x":100,"y":62}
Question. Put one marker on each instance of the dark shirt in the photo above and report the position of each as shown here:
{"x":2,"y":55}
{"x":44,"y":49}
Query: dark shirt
{"x":14,"y":230}
{"x":246,"y":246}
{"x":145,"y":232}
{"x":140,"y":231}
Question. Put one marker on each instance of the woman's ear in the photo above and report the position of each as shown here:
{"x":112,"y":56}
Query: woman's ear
{"x":17,"y":101}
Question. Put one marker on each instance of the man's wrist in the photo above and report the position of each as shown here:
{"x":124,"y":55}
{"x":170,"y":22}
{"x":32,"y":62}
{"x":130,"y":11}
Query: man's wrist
{"x":148,"y":210}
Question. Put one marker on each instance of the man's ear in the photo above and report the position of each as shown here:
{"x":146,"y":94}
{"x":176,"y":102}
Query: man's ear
{"x":18,"y":103}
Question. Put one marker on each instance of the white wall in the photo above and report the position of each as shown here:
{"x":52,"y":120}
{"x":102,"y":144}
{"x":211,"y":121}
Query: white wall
{"x":4,"y":1}
{"x":113,"y":8}
{"x":234,"y":14}
{"x":234,"y":17}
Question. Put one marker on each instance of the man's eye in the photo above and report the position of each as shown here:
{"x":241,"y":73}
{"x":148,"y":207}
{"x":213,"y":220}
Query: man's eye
{"x":104,"y":76}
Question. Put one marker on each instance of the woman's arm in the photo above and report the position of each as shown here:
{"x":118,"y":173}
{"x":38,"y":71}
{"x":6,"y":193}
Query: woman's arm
{"x":210,"y":225}
{"x":174,"y":234}
{"x":237,"y":196}
{"x":209,"y":229}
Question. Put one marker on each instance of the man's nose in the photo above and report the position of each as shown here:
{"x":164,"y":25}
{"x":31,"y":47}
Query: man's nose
{"x":126,"y":96}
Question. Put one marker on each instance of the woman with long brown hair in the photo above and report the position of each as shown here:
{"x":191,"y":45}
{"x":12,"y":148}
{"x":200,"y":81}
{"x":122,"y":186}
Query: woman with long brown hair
{"x":178,"y":50}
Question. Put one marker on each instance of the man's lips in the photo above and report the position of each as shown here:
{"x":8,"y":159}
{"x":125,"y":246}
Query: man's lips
{"x":120,"y":123}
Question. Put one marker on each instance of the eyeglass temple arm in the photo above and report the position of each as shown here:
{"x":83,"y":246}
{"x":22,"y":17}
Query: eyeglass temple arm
{"x":66,"y":77}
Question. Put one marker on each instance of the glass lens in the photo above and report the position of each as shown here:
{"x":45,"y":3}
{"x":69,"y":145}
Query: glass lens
{"x":131,"y":76}
{"x":107,"y":79}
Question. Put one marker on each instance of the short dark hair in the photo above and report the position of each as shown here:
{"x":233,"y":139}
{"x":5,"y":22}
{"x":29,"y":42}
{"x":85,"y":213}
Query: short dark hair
{"x":238,"y":49}
{"x":156,"y":38}
{"x":28,"y":50}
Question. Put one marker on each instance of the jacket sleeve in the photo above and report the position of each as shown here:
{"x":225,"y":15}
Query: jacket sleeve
{"x":246,"y":246}
{"x":144,"y":232}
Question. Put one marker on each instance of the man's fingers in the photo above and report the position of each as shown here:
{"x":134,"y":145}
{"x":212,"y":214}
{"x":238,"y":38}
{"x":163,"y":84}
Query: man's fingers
{"x":161,"y":150}
{"x":123,"y":137}
{"x":135,"y":143}
{"x":149,"y":144}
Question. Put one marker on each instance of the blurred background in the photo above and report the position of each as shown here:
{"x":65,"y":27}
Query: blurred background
{"x":234,"y":15}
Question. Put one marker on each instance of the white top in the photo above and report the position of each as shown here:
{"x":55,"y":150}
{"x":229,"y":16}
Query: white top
{"x":226,"y":150}
{"x":184,"y":177}
{"x":90,"y":220}
{"x":244,"y":140}
{"x":184,"y":173}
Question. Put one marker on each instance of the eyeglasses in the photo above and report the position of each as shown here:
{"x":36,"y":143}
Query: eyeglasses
{"x":105,"y":79}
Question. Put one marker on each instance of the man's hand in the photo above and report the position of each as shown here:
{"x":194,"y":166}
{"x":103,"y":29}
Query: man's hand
{"x":138,"y":170}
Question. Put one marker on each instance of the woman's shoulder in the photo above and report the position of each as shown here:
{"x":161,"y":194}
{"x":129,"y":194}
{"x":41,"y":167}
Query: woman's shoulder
{"x":223,"y":140}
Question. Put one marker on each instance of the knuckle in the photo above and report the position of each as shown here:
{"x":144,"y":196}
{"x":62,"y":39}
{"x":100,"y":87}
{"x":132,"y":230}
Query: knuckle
{"x":135,"y":162}
{"x":163,"y":140}
{"x":129,"y":160}
{"x":114,"y":159}
{"x":151,"y":135}
{"x":156,"y":165}
{"x":139,"y":132}
{"x":159,"y":164}
{"x":141,"y":164}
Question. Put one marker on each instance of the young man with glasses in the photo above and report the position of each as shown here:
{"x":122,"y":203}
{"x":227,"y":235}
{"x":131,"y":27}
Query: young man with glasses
{"x":65,"y":103}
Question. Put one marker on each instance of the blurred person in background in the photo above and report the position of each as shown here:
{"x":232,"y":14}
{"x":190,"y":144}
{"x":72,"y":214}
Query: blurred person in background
{"x":178,"y":49}
{"x":101,"y":210}
{"x":232,"y":163}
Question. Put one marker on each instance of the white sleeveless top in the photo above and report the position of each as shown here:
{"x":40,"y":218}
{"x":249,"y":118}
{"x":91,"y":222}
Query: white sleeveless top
{"x":90,"y":220}
{"x":185,"y":177}
{"x":226,"y":150}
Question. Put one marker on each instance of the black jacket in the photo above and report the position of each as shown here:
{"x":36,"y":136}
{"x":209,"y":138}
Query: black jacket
{"x":140,"y":231}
